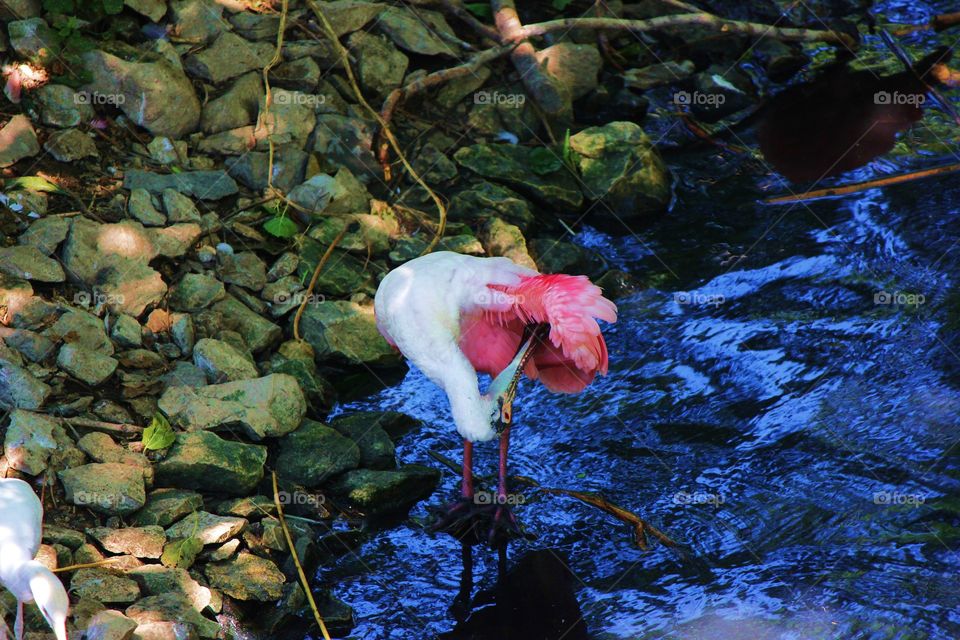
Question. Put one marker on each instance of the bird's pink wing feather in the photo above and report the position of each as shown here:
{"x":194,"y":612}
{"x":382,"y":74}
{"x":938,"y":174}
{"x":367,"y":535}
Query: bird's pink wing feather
{"x":571,"y":305}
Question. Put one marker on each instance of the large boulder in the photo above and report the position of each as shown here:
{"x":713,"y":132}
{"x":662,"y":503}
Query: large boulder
{"x":204,"y":460}
{"x":346,"y":331}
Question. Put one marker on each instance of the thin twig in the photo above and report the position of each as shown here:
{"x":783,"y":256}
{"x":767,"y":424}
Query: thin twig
{"x":86,"y":565}
{"x":863,"y":186}
{"x":313,"y":280}
{"x":296,"y":560}
{"x":108,"y":427}
{"x":384,"y":127}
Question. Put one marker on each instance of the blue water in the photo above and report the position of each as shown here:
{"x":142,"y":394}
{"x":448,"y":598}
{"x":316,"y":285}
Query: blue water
{"x":783,"y":398}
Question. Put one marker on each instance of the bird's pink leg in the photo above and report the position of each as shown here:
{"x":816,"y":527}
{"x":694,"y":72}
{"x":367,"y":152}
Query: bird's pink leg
{"x":466,"y":489}
{"x":502,"y":475}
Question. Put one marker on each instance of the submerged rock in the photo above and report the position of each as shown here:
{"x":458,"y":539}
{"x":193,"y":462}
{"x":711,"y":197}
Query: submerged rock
{"x":376,"y":448}
{"x":378,"y":492}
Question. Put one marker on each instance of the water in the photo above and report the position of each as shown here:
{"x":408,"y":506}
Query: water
{"x":783,"y":399}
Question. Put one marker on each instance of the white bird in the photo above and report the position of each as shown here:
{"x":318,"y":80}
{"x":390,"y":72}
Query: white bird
{"x":453,"y":315}
{"x":21,"y":517}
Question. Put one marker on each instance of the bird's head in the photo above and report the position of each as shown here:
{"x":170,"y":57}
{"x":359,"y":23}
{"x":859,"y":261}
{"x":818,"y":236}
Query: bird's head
{"x":50,"y":596}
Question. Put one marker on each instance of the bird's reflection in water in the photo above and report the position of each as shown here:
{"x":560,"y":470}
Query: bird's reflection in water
{"x":532,"y":600}
{"x":843,"y":119}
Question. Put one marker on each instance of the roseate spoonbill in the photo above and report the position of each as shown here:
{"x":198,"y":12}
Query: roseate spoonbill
{"x":21,"y":515}
{"x":454,"y":315}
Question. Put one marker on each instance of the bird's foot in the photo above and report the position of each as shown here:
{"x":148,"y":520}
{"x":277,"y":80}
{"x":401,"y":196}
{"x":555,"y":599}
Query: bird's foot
{"x":474,"y":522}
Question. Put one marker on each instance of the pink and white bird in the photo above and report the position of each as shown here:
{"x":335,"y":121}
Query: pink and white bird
{"x":454,"y":315}
{"x":21,"y":518}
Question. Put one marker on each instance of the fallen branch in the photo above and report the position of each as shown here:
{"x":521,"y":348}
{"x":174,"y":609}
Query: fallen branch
{"x":296,"y":560}
{"x":107,"y":427}
{"x":863,"y":186}
{"x":786,"y":34}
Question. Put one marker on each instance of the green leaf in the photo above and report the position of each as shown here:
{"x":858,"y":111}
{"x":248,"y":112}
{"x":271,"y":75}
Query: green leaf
{"x":32,"y":183}
{"x":560,"y":5}
{"x":479,"y":9}
{"x":544,"y":161}
{"x":112,"y":7}
{"x":181,"y":553}
{"x":159,"y":435}
{"x":281,"y":227}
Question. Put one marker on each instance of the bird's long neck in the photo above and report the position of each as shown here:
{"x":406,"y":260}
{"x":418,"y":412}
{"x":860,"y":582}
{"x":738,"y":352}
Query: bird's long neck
{"x":16,"y":570}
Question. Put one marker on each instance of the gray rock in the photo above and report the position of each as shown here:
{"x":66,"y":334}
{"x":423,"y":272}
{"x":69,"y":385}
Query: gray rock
{"x":166,"y":151}
{"x":197,"y":21}
{"x":164,"y":617}
{"x":417,"y":32}
{"x":575,"y":66}
{"x":204,"y":185}
{"x":87,"y":366}
{"x":174,"y":241}
{"x":184,"y":374}
{"x":29,"y":441}
{"x":346,"y":331}
{"x":18,"y":140}
{"x":156,"y":580}
{"x":70,"y":145}
{"x":376,"y":448}
{"x":332,"y":195}
{"x":182,"y":332}
{"x":244,"y":269}
{"x":289,"y":166}
{"x":394,"y":423}
{"x":104,"y":586}
{"x":284,"y":266}
{"x":486,"y":199}
{"x":101,"y":448}
{"x":290,"y":119}
{"x":61,"y":106}
{"x":83,"y":329}
{"x":269,"y":406}
{"x":380,"y":65}
{"x":111,"y":488}
{"x":140,"y":206}
{"x":249,"y":507}
{"x":110,"y":624}
{"x":621,"y":167}
{"x":28,"y":262}
{"x":301,"y":74}
{"x":204,"y":460}
{"x":247,"y":577}
{"x":156,"y":95}
{"x":126,"y":331}
{"x":387,"y":491}
{"x":140,"y":542}
{"x":166,"y":506}
{"x":30,"y":344}
{"x":230,"y":142}
{"x":179,"y":207}
{"x":153,"y":9}
{"x":19,"y":9}
{"x":196,"y":291}
{"x":222,"y":362}
{"x":345,"y":141}
{"x":532,"y":170}
{"x":314,"y":453}
{"x":46,"y":234}
{"x":208,"y":527}
{"x":131,"y":287}
{"x":257,"y":332}
{"x":237,"y":107}
{"x":228,"y":57}
{"x":19,"y":389}
{"x":34,"y":40}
